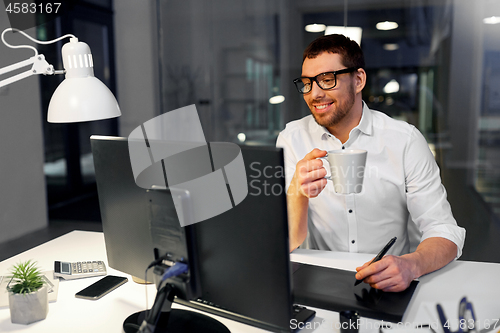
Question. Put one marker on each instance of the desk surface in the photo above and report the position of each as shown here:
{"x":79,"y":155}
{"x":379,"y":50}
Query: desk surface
{"x":478,"y":281}
{"x":69,"y":314}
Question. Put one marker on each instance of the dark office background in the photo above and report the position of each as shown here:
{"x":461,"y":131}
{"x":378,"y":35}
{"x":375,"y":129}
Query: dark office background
{"x":230,"y":57}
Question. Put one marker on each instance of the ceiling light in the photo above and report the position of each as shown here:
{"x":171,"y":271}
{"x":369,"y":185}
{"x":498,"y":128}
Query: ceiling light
{"x":491,"y":20}
{"x":391,"y":87}
{"x":315,"y":27}
{"x":277,"y":99}
{"x":241,"y":137}
{"x":391,"y":46}
{"x":386,"y":25}
{"x":354,"y":33}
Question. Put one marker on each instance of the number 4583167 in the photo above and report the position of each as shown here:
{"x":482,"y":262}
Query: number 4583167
{"x":32,"y":8}
{"x":468,"y":324}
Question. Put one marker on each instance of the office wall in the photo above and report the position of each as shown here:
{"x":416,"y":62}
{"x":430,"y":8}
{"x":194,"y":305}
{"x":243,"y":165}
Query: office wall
{"x":22,"y":183}
{"x":136,"y":62}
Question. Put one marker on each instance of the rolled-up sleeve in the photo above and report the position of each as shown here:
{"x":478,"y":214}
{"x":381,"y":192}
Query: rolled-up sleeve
{"x":426,"y":196}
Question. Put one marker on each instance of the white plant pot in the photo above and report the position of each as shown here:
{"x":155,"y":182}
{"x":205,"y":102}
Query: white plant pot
{"x":29,"y":308}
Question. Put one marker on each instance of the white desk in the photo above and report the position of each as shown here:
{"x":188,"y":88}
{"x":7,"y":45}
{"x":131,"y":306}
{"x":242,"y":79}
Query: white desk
{"x":478,"y":281}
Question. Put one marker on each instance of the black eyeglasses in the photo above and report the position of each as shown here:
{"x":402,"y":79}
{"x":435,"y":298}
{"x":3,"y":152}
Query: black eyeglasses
{"x":325,"y":81}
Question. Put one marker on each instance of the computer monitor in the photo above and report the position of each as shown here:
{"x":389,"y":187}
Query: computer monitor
{"x":244,"y":264}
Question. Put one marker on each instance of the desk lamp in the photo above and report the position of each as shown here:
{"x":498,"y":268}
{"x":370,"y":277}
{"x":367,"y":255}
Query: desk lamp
{"x":81,"y":96}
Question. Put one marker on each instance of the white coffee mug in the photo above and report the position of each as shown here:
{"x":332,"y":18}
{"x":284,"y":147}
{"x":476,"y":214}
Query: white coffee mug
{"x":347,"y":168}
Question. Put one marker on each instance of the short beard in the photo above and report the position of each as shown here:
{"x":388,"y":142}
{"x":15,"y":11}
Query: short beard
{"x":342,"y":109}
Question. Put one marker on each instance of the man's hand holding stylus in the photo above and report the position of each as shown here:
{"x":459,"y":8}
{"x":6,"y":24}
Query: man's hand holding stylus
{"x":394,"y":273}
{"x":391,"y":273}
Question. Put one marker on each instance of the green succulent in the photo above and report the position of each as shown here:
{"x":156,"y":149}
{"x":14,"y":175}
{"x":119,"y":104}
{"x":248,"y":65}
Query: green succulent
{"x":26,"y":278}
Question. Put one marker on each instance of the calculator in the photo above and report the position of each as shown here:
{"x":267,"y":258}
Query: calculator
{"x":78,"y":270}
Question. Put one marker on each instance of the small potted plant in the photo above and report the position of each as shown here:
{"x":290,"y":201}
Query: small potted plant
{"x":28,"y":296}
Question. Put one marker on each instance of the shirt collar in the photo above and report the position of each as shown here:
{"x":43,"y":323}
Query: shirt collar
{"x":365,"y":124}
{"x":318,"y":130}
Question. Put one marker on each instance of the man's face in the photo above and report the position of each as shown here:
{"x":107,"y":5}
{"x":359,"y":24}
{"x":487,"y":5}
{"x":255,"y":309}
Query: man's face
{"x":329,"y":107}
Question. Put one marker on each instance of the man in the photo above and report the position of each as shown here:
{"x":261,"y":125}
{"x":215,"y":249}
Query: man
{"x":401,"y":179}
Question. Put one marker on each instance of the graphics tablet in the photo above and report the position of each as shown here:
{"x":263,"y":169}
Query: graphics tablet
{"x":333,"y":289}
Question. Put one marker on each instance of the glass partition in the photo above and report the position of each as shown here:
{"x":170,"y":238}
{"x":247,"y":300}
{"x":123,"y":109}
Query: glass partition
{"x":487,"y":166}
{"x":224,"y":57}
{"x":434,"y":64}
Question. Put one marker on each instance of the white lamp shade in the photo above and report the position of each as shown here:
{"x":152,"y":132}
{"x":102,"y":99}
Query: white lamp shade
{"x":81,"y":96}
{"x":82,"y":99}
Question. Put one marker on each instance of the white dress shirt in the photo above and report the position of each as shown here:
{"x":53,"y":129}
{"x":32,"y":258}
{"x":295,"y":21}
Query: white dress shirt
{"x":401,"y":182}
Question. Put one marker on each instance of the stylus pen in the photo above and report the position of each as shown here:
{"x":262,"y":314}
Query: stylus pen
{"x":379,"y":256}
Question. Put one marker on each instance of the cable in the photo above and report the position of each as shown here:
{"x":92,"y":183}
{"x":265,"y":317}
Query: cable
{"x":177,"y":269}
{"x":155,"y":262}
{"x":146,"y":288}
{"x":345,"y":14}
{"x":148,"y":325}
{"x":30,"y":38}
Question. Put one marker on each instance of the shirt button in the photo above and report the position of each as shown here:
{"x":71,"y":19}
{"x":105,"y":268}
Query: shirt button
{"x":353,"y":241}
{"x":343,"y":147}
{"x":350,"y":210}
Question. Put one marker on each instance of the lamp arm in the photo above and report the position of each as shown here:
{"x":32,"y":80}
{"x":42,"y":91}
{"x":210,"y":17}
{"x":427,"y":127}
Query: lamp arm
{"x":40,"y":66}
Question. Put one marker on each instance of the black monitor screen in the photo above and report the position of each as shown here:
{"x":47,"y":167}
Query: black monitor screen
{"x":243,"y":252}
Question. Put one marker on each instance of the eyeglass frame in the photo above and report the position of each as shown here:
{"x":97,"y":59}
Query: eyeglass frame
{"x":315,"y":79}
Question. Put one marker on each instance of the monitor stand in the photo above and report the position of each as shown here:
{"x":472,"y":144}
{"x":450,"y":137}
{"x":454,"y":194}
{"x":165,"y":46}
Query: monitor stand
{"x":170,"y":320}
{"x":177,"y":321}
